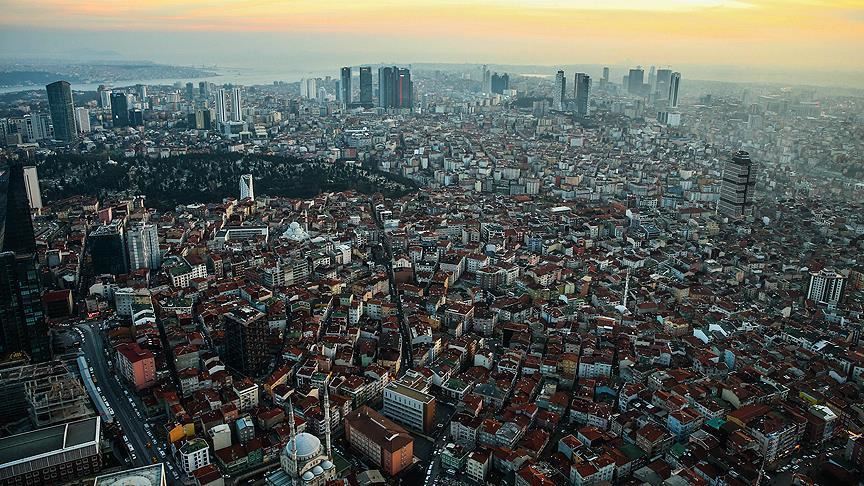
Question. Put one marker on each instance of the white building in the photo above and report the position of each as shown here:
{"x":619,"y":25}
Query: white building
{"x":194,"y":455}
{"x":31,"y":181}
{"x":247,"y":189}
{"x":236,"y":106}
{"x":826,"y":287}
{"x":142,"y":241}
{"x":409,"y":407}
{"x":221,"y":109}
{"x":248,"y":393}
{"x":82,"y":119}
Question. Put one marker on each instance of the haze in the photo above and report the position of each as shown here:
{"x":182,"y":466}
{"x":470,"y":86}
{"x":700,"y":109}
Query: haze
{"x":791,"y":35}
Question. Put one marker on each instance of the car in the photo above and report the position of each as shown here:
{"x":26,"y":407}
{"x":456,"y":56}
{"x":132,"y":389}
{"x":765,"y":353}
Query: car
{"x":440,"y":426}
{"x":451,"y":472}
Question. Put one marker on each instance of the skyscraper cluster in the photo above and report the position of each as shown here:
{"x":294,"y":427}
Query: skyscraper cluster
{"x":22,"y":320}
{"x":500,"y":83}
{"x":395,"y":88}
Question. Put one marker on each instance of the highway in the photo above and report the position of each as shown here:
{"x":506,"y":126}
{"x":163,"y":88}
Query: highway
{"x":124,"y":414}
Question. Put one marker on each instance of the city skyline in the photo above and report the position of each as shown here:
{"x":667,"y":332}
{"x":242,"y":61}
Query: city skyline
{"x":797,"y":34}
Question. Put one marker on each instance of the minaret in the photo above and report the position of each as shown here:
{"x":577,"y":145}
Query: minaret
{"x":626,"y":289}
{"x":293,"y":433}
{"x":327,"y":418}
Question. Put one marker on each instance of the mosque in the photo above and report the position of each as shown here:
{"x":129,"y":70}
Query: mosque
{"x":304,"y":462}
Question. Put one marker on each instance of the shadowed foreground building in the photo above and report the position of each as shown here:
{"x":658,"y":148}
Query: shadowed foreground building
{"x":22,"y":320}
{"x":54,"y":455}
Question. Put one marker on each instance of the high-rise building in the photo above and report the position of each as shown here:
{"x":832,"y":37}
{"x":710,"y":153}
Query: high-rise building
{"x":203,"y":89}
{"x":606,"y":74}
{"x":826,"y":287}
{"x":141,"y":91}
{"x":31,"y":182}
{"x":142,"y":243}
{"x":105,"y":98}
{"x":190,"y":91}
{"x":500,"y":83}
{"x":559,"y":94}
{"x":386,"y":85}
{"x":246,"y":341}
{"x":487,"y":80}
{"x":62,"y":110}
{"x":345,"y":86}
{"x":365,"y":85}
{"x":404,"y":89}
{"x":674,"y":83}
{"x":82,"y":119}
{"x":311,"y":88}
{"x":108,"y":249}
{"x":635,"y":80}
{"x":652,"y":76}
{"x":236,"y":106}
{"x":582,"y":93}
{"x":246,"y":187}
{"x":737,"y":186}
{"x":221,"y":109}
{"x":119,"y":110}
{"x":22,"y":320}
{"x":662,"y":83}
{"x":201,"y":119}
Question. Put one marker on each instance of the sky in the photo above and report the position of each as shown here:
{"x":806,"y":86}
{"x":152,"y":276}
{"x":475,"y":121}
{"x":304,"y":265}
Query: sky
{"x":775,"y":34}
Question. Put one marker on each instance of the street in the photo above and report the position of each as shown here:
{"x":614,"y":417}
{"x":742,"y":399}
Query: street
{"x":131,"y":423}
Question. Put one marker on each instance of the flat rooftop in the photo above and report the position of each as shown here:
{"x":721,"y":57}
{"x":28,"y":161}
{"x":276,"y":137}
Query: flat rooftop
{"x":151,"y":475}
{"x":49,"y":440}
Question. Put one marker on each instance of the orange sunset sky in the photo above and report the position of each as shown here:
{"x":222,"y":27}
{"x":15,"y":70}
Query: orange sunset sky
{"x":768,"y":33}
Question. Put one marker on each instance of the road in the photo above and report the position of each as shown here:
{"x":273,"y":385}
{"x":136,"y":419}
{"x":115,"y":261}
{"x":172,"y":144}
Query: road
{"x":407,"y":351}
{"x":132,"y":425}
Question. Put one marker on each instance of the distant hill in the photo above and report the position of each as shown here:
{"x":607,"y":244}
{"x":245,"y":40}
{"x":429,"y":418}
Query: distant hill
{"x":208,"y":178}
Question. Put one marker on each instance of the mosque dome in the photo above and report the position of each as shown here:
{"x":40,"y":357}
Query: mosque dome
{"x":307,"y":476}
{"x":307,"y":446}
{"x":327,"y":465}
{"x":317,"y":470}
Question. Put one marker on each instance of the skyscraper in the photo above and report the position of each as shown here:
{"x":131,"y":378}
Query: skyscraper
{"x":105,"y":98}
{"x":221,"y":110}
{"x":737,"y":186}
{"x":404,"y":89}
{"x":236,"y":105}
{"x":395,"y":88}
{"x":203,"y":89}
{"x":559,"y":93}
{"x":141,"y":91}
{"x":652,"y":76}
{"x":674,"y":83}
{"x":583,"y":93}
{"x":487,"y":80}
{"x":119,"y":110}
{"x":345,"y":86}
{"x":365,"y":85}
{"x":386,"y":86}
{"x":142,"y":242}
{"x":635,"y":80}
{"x":247,"y":189}
{"x":662,"y":84}
{"x":190,"y":91}
{"x":62,"y":110}
{"x":22,"y":319}
{"x":606,"y":74}
{"x":108,"y":249}
{"x":246,"y":335}
{"x":500,"y":83}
